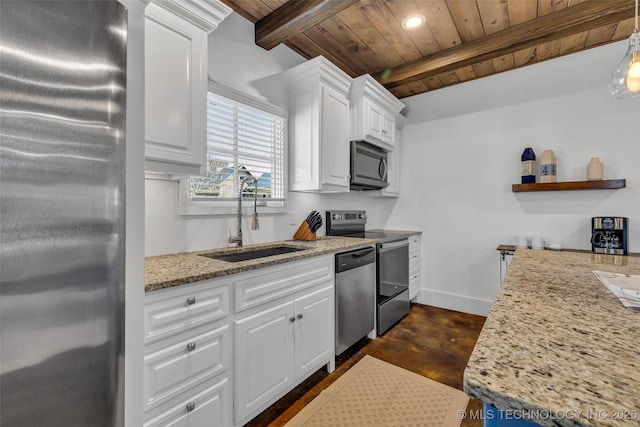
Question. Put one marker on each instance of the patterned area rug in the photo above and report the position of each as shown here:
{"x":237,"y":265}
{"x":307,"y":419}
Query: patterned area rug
{"x":377,"y":393}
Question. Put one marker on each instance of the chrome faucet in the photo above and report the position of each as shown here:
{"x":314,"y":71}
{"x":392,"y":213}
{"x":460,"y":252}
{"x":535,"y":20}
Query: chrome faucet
{"x":254,"y":221}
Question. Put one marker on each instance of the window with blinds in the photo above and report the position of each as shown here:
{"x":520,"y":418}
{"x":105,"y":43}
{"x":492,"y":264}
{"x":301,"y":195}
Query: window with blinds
{"x":242,"y":140}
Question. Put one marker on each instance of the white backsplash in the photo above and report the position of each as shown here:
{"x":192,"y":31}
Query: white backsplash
{"x":168,"y":232}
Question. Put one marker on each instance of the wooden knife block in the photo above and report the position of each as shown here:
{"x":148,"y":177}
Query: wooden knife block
{"x":304,"y":232}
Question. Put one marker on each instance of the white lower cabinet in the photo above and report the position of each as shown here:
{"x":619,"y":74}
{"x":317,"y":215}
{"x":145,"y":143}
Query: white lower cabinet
{"x":414,"y":266}
{"x":264,"y":358}
{"x":314,"y":341}
{"x":277,"y":348}
{"x":207,"y":408}
{"x":188,"y":355}
{"x":207,"y":366}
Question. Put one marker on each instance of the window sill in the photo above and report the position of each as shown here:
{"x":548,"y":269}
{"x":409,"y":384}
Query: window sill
{"x":188,"y":207}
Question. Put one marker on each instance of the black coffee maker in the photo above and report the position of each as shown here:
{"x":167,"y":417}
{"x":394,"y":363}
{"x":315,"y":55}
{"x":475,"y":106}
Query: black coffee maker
{"x":609,"y":235}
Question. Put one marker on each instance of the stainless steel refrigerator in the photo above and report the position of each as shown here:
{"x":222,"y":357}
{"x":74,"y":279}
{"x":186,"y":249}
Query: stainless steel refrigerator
{"x":62,"y":217}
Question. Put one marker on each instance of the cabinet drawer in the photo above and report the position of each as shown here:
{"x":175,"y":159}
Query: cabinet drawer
{"x":207,"y":408}
{"x":169,"y":312}
{"x":174,"y":369}
{"x":414,"y":277}
{"x":256,"y":288}
{"x":413,"y":269}
{"x":414,"y":260}
{"x":414,"y":242}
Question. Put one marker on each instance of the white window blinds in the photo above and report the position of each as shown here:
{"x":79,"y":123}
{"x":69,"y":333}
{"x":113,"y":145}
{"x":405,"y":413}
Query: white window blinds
{"x":242,"y":141}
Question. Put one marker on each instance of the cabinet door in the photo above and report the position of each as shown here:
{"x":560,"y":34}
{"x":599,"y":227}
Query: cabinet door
{"x":175,"y":93}
{"x":334,"y":139}
{"x":263,"y":358}
{"x":374,"y":120}
{"x":314,"y":332}
{"x":389,"y":130}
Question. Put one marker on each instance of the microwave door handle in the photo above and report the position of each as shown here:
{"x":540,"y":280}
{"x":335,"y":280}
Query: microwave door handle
{"x":382,"y":169}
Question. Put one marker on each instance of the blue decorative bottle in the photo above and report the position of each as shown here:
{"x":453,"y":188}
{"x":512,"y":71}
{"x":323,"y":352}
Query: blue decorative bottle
{"x":528,"y":166}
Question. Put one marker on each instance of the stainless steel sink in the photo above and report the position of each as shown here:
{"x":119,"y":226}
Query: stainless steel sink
{"x":249,"y":254}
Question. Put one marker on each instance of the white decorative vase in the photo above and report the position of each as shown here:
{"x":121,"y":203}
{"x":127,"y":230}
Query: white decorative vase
{"x":594,"y":170}
{"x":548,"y":172}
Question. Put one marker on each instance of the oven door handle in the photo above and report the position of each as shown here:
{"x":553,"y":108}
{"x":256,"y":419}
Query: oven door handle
{"x":383,"y":247}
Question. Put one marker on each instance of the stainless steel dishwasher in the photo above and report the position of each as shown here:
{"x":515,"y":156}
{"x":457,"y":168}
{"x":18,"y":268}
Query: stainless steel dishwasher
{"x":355,"y":296}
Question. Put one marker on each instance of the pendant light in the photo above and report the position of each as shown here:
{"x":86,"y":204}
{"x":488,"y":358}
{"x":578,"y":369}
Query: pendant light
{"x":625,"y":79}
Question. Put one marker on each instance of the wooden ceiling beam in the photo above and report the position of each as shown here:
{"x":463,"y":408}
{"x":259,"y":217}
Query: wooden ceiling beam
{"x":554,"y":26}
{"x":294,"y":17}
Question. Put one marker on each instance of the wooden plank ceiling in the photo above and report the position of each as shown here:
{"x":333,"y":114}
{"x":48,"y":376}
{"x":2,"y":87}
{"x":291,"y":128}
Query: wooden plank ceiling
{"x":461,"y":40}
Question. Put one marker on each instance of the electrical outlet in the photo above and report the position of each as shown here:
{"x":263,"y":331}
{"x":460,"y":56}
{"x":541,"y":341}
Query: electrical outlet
{"x":292,"y":218}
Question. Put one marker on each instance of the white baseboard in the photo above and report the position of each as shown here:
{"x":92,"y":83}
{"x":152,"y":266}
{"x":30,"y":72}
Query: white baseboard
{"x":455,"y":302}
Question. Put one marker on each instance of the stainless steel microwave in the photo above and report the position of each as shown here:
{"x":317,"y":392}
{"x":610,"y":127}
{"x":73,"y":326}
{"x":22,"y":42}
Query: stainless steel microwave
{"x":368,"y":166}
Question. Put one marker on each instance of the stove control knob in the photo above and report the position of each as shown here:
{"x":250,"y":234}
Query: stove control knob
{"x":337,"y":216}
{"x":362,"y":216}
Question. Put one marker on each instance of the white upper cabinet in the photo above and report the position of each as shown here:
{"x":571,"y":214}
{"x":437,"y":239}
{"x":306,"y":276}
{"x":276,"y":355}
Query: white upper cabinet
{"x":176,"y":83}
{"x":373,"y":113}
{"x":319,"y":127}
{"x":393,"y":164}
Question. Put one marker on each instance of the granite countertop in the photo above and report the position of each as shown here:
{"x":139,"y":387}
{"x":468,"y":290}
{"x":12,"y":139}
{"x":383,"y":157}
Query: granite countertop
{"x":557,"y":340}
{"x":165,"y":271}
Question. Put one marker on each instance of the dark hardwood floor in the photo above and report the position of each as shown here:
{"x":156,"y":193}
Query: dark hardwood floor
{"x":430,"y":341}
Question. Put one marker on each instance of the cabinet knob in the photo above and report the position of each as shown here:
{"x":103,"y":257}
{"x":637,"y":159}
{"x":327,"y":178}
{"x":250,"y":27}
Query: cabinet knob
{"x":299,"y":316}
{"x":191,"y":346}
{"x":190,"y":407}
{"x":191,"y":300}
{"x":292,"y":319}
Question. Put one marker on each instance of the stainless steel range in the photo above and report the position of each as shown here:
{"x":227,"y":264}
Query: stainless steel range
{"x":392,"y":272}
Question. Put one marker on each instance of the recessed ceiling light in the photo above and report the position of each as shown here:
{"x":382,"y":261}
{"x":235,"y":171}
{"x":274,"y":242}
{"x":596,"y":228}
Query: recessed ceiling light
{"x":412,"y":22}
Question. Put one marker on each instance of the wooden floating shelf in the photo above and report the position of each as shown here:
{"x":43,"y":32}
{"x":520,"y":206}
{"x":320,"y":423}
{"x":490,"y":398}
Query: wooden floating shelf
{"x":608,"y":184}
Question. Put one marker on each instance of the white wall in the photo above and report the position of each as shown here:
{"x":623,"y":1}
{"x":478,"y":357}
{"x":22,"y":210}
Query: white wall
{"x":461,"y":151}
{"x":461,"y":154}
{"x":235,"y":60}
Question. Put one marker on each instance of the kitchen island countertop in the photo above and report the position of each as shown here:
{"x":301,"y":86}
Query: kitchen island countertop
{"x":165,"y":271}
{"x":558,"y":343}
